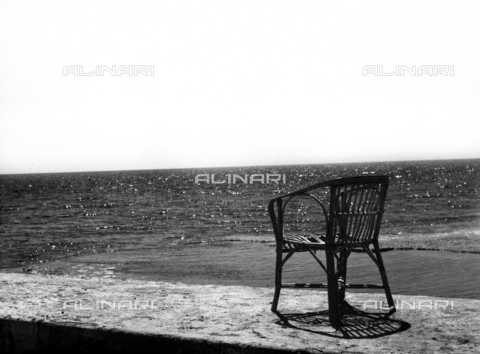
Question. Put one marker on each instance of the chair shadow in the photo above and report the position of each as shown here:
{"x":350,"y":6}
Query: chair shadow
{"x":356,"y":324}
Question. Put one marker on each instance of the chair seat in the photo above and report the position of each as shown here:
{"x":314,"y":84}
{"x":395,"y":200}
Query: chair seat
{"x":319,"y":241}
{"x":311,"y":241}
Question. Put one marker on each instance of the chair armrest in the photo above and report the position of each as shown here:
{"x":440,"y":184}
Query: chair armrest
{"x":278,"y":220}
{"x":334,"y":182}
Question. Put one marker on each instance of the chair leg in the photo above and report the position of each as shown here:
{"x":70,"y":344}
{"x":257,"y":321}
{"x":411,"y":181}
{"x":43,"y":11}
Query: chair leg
{"x":333,"y":296}
{"x":278,"y":280}
{"x":342,"y":275}
{"x":383,"y":274}
{"x":276,"y":296}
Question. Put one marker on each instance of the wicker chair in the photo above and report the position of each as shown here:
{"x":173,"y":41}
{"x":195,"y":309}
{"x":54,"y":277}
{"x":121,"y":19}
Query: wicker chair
{"x":352,"y":222}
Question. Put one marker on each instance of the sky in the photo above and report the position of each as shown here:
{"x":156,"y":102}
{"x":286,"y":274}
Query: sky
{"x":235,"y":83}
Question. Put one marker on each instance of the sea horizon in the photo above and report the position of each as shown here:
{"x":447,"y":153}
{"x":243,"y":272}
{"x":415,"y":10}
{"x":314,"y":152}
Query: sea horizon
{"x":247,"y":166}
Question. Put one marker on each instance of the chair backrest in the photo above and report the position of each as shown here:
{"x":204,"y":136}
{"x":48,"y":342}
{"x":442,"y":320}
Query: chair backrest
{"x":356,"y":209}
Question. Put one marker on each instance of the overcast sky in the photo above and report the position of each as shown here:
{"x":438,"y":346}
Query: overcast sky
{"x":236,"y":83}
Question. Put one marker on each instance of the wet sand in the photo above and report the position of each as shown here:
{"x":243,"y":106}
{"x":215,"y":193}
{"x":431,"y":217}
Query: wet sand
{"x":419,"y":273}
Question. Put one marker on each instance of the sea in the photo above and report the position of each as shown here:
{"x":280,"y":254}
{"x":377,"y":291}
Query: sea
{"x":211,"y":225}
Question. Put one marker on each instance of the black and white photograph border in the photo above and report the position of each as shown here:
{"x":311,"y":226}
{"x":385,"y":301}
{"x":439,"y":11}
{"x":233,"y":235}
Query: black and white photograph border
{"x":142,"y":142}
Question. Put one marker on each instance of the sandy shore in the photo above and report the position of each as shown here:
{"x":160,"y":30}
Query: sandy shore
{"x":234,"y":315}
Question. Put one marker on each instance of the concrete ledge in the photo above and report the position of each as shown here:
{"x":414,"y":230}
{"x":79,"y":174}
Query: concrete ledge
{"x":42,"y":337}
{"x":57,"y":314}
